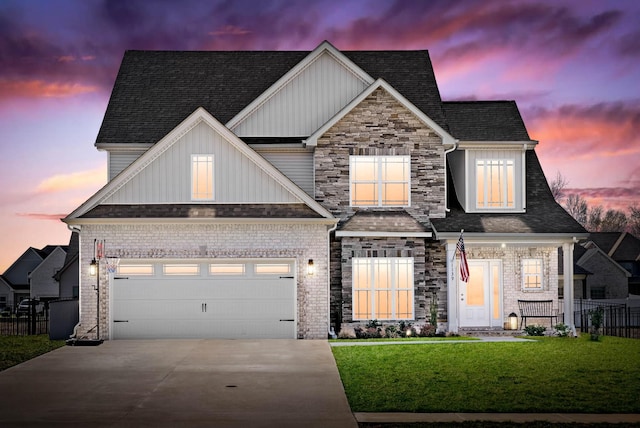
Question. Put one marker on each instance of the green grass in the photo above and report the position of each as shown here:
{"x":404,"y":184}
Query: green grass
{"x":17,"y":349}
{"x":546,"y":375}
{"x":406,"y":339}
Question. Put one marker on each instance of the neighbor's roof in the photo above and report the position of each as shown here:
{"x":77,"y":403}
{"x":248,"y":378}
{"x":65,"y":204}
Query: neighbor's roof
{"x":485,"y":121}
{"x":621,"y":246}
{"x":543,"y":214}
{"x":155,"y":90}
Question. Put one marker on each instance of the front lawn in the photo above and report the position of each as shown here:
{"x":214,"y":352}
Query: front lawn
{"x":17,"y":349}
{"x":549,"y":374}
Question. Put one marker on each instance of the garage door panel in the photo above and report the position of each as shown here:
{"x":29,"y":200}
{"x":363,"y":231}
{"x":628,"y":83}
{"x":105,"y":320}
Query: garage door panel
{"x":204,"y":307}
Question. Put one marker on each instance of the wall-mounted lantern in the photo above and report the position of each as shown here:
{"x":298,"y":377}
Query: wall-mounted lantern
{"x":311,"y":268}
{"x":93,"y":268}
{"x":513,"y":321}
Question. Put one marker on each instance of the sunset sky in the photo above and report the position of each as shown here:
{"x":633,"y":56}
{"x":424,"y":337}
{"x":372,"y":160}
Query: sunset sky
{"x":573,"y":67}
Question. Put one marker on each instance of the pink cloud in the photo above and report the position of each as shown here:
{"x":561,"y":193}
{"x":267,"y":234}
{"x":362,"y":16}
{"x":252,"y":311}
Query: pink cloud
{"x":40,"y":88}
{"x":43,"y":216}
{"x":230,"y":30}
{"x":76,"y":180}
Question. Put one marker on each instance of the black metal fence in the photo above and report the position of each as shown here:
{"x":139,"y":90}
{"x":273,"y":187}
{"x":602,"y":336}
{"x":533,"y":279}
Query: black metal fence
{"x":618,"y":319}
{"x":24,"y":325}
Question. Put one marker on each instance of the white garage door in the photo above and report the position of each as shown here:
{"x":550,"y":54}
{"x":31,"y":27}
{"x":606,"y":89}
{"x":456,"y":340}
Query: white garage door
{"x":204,"y":300}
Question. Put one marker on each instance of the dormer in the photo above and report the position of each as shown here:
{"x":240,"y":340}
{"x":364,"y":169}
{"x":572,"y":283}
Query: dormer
{"x":488,"y":167}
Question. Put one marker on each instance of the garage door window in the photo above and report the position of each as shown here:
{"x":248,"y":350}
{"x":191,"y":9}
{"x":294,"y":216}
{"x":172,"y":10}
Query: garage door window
{"x":181,"y":269}
{"x":138,"y":269}
{"x":273,"y":268}
{"x":226,"y":269}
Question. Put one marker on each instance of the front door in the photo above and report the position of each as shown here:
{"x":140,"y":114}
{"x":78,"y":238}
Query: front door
{"x":481,"y":297}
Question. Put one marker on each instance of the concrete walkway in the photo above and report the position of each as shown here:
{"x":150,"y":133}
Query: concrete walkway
{"x":178,"y":383}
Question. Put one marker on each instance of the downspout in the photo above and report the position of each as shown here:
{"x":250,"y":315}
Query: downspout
{"x":76,"y":229}
{"x":330,"y":330}
{"x":446,"y":193}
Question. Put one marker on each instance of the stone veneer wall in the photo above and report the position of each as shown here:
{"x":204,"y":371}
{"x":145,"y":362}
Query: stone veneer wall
{"x":176,"y":241}
{"x":429,"y":273}
{"x":380,"y":125}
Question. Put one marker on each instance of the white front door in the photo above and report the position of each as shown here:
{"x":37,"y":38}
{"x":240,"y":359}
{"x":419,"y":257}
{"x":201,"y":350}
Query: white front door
{"x":480,"y":298}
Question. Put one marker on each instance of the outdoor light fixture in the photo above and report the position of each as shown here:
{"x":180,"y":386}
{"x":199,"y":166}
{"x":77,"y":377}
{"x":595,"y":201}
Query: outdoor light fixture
{"x":513,"y":321}
{"x":311,"y":269}
{"x":93,"y":268}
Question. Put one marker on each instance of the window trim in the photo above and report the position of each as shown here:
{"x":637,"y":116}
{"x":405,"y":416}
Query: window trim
{"x":211,"y":177}
{"x":378,"y":181}
{"x":526,"y":275}
{"x":372,"y":303}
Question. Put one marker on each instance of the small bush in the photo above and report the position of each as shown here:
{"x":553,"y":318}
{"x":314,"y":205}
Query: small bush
{"x":562,"y":330}
{"x":391,"y":331}
{"x":535,"y":330}
{"x":427,"y":330}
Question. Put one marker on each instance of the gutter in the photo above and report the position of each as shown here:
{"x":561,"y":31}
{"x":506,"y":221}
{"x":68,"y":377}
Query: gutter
{"x":446,"y":191}
{"x":330,"y":330}
{"x":76,"y":229}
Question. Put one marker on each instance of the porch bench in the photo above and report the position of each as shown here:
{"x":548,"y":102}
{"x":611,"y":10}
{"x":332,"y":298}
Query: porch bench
{"x":537,"y":309}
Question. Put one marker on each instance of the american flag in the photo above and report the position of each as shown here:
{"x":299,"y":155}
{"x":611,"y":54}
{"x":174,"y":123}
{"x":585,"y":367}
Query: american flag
{"x":464,"y":266}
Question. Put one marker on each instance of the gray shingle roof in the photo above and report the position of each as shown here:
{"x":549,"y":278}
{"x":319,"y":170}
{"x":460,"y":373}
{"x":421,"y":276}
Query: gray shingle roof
{"x":155,"y":90}
{"x":378,"y":221}
{"x":202,"y":211}
{"x":543,"y":213}
{"x":485,"y":121}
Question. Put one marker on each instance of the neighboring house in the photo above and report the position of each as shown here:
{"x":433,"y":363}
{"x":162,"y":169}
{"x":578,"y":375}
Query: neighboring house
{"x":17,"y":278}
{"x":284,"y":194}
{"x":604,"y":278}
{"x":42,"y":284}
{"x":68,"y":276}
{"x":624,"y":248}
{"x":6,"y":294}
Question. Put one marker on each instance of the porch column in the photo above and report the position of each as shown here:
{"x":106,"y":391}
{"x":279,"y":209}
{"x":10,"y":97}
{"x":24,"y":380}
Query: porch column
{"x":452,"y":289}
{"x":567,"y":260}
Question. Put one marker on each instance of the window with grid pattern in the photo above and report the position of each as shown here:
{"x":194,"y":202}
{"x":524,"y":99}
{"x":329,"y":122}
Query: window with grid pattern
{"x":201,"y":177}
{"x":531,"y":274}
{"x":379,"y":181}
{"x":382,"y":288}
{"x":495,"y":181}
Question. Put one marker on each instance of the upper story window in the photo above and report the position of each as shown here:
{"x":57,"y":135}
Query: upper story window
{"x":532,"y":274}
{"x":201,"y":177}
{"x":495,"y":183}
{"x":379,"y":181}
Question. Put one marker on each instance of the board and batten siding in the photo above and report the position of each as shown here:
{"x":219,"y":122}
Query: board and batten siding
{"x":297,"y":166}
{"x":118,"y":161}
{"x":305,"y":103}
{"x":167,"y":179}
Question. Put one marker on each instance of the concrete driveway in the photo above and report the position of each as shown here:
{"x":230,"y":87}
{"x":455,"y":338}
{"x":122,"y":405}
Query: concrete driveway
{"x":178,"y":383}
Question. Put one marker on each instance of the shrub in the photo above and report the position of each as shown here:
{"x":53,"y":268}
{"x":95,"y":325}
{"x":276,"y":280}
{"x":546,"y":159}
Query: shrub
{"x":391,"y":331}
{"x":427,"y":330}
{"x":562,"y":330}
{"x":535,"y":330}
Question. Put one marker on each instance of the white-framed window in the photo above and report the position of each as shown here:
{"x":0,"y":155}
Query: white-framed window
{"x":532,"y":274}
{"x":135,"y":269}
{"x":380,"y":181}
{"x":495,"y":183}
{"x":181,"y":269}
{"x":382,"y":288}
{"x":202,"y":177}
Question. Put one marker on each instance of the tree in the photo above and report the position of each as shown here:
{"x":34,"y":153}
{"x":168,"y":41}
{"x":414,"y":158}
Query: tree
{"x":614,"y":221}
{"x":557,"y":186}
{"x":633,"y":222}
{"x":594,"y":219}
{"x":576,"y":206}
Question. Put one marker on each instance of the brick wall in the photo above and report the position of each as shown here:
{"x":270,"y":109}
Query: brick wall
{"x":184,"y":241}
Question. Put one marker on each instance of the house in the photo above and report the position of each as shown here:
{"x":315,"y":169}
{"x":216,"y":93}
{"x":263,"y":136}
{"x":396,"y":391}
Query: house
{"x":285,"y":194}
{"x":624,"y":248}
{"x":67,"y":276}
{"x":31,"y":275}
{"x":597,"y":275}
